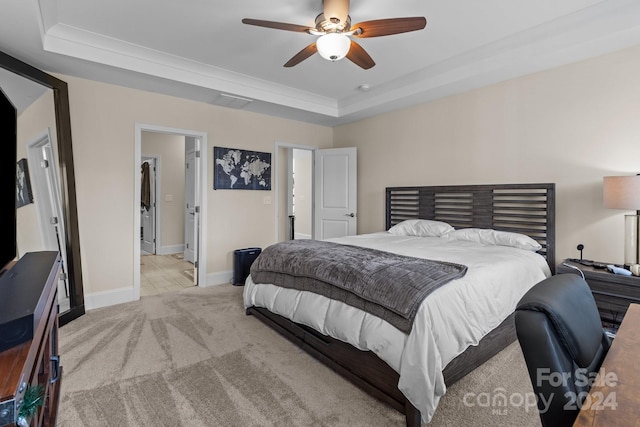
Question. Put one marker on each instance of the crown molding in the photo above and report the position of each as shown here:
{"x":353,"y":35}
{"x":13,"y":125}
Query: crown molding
{"x":602,"y":28}
{"x":67,"y":40}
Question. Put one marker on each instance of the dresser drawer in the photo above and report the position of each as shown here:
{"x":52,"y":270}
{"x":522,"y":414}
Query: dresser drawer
{"x":625,"y":291}
{"x":612,"y":309}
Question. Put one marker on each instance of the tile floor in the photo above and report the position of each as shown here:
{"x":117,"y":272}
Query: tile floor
{"x":164,"y":273}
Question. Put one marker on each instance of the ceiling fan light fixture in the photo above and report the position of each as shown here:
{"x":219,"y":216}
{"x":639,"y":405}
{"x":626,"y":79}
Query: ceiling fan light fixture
{"x":333,"y":46}
{"x":334,"y":33}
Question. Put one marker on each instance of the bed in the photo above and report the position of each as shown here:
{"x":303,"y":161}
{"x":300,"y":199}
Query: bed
{"x":410,"y":371}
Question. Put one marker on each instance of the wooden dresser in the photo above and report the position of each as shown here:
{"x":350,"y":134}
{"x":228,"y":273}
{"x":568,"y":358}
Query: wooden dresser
{"x":613,"y":293}
{"x":35,"y":361}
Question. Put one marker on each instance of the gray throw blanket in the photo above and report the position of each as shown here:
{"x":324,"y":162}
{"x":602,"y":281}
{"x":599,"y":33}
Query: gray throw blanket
{"x":384,"y":284}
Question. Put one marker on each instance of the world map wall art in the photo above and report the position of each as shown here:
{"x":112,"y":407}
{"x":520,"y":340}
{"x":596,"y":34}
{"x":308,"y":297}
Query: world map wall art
{"x":237,"y":169}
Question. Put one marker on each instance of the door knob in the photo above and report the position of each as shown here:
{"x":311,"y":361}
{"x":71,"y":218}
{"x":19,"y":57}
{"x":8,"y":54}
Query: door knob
{"x":352,"y":215}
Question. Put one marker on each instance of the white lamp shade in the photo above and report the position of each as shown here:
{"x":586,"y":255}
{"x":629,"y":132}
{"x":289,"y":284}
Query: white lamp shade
{"x":622,"y":192}
{"x":333,"y":46}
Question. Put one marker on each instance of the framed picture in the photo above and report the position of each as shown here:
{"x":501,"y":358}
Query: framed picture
{"x":236,"y":169}
{"x":24,"y":196}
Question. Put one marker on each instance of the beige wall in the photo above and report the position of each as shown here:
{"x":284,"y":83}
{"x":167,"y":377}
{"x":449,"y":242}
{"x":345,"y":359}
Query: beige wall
{"x":170,"y":149}
{"x":571,"y":125}
{"x":32,"y":124}
{"x":103,"y":119}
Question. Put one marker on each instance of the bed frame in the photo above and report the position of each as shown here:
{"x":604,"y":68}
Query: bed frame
{"x":523,"y":208}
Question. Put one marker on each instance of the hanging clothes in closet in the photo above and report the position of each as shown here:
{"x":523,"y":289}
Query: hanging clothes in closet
{"x":146,"y":186}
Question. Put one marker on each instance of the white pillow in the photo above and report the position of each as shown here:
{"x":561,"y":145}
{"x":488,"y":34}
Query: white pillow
{"x":421,"y":228}
{"x":494,"y":237}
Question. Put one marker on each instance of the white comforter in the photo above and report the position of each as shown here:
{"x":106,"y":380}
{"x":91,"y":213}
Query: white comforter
{"x":449,"y":320}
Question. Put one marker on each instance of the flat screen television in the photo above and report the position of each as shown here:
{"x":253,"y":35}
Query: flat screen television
{"x":8,"y":160}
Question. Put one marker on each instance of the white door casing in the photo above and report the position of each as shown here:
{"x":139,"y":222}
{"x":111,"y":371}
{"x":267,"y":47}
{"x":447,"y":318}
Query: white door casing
{"x":335,"y":193}
{"x":201,"y":137}
{"x":148,"y":216}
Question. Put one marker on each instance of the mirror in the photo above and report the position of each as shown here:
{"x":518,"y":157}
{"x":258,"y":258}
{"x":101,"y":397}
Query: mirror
{"x":44,"y":139}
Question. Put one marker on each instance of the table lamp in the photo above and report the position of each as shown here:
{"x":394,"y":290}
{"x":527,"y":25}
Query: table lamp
{"x":623,"y":192}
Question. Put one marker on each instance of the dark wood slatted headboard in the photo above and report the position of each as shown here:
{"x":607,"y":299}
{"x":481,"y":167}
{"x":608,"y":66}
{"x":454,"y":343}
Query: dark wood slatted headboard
{"x":521,"y":208}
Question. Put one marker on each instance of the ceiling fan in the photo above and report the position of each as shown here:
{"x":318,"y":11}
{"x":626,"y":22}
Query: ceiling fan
{"x":334,"y":27}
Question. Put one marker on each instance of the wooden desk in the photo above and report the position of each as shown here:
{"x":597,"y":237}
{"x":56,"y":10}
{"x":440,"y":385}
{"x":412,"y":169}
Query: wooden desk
{"x":623,"y":392}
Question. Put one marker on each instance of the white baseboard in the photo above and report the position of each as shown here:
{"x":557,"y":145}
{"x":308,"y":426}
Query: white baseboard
{"x":118,"y":296}
{"x":168,"y":250}
{"x":108,"y":298}
{"x":301,"y":236}
{"x":218,"y":278}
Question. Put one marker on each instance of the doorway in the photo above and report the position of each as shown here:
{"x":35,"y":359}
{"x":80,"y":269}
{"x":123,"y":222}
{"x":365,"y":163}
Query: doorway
{"x":177,"y":234}
{"x":300,"y":193}
{"x":333,"y":191}
{"x":284,"y":188}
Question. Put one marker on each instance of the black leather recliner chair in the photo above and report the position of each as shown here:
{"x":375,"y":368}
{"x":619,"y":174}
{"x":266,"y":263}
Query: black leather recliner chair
{"x":561,"y":336}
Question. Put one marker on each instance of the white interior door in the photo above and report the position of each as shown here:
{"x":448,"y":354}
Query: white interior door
{"x":335,"y":193}
{"x":192,"y":210}
{"x":148,"y":215}
{"x":41,"y":188}
{"x":48,"y":200}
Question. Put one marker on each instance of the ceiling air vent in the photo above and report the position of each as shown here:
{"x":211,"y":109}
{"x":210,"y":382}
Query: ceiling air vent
{"x":231,"y":101}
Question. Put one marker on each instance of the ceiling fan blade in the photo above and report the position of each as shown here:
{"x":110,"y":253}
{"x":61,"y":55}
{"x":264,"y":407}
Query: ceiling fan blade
{"x":359,"y":56}
{"x":302,"y":55}
{"x":276,"y":25}
{"x":387,"y":27}
{"x":338,"y":9}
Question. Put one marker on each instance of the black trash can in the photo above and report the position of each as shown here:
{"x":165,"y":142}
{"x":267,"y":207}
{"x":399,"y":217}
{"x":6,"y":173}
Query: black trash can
{"x":242,"y":260}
